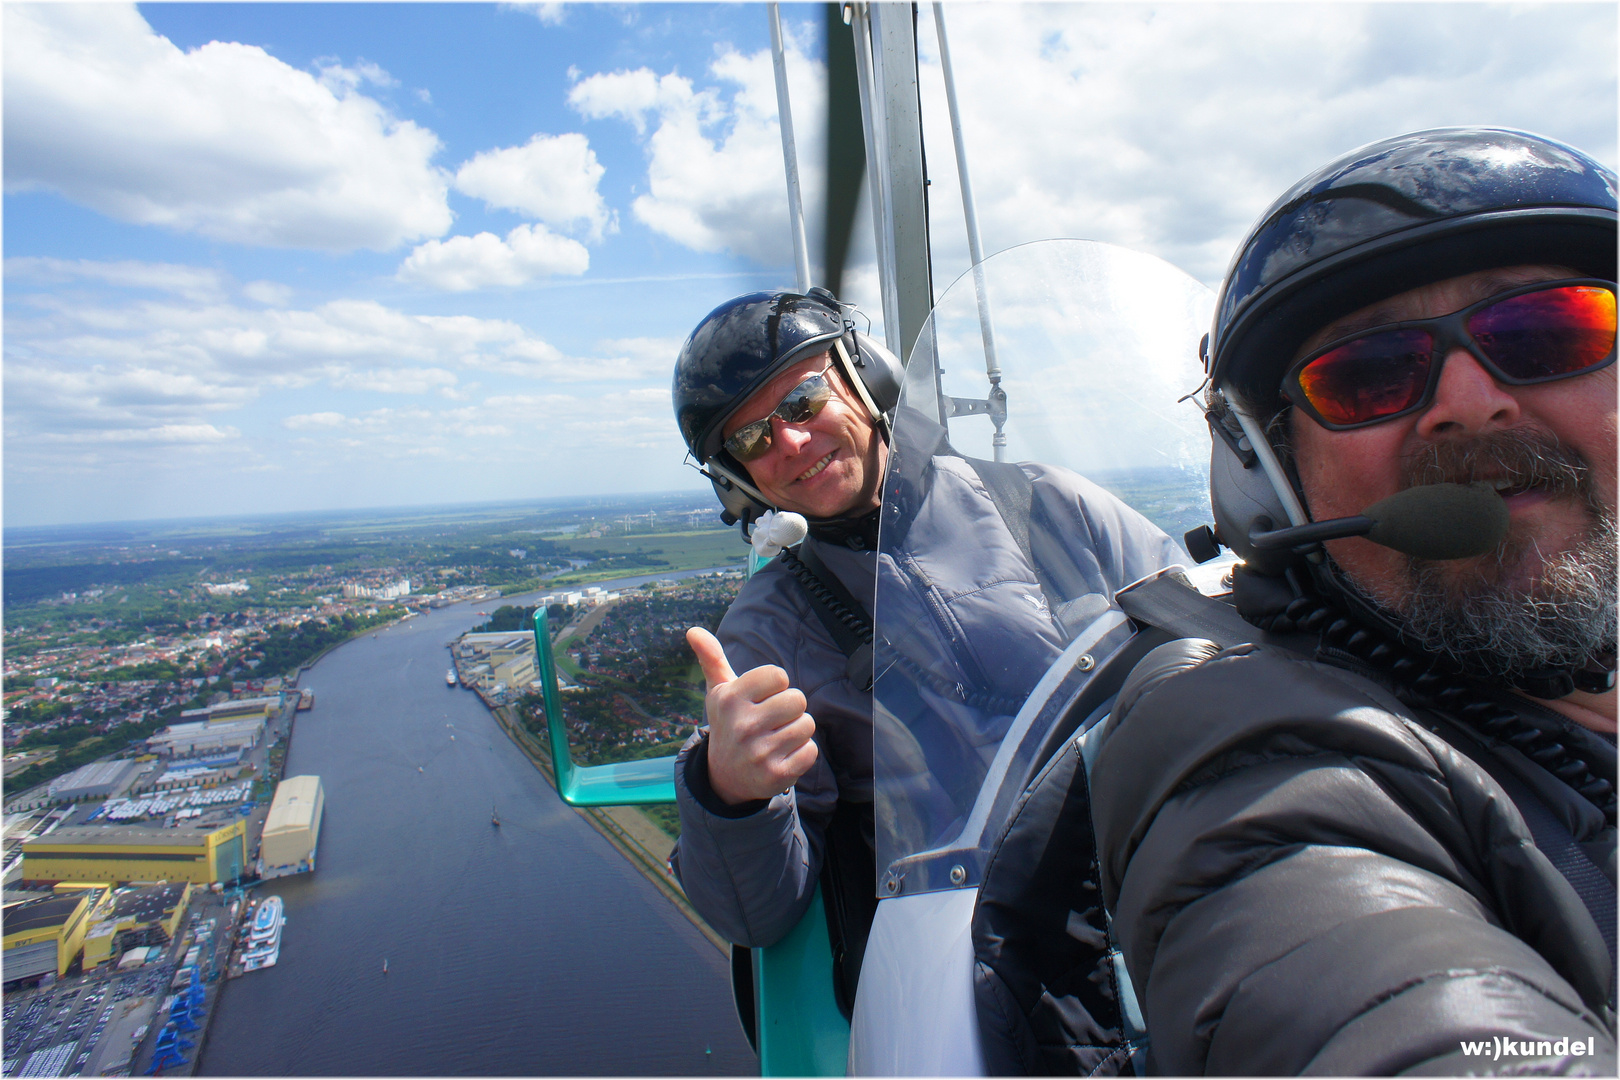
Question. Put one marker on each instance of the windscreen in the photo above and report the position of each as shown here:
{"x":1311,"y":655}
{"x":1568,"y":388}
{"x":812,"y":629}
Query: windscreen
{"x":995,"y":581}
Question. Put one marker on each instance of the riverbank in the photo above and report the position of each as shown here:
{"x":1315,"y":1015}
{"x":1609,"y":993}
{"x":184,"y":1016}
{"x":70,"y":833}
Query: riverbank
{"x":640,"y":839}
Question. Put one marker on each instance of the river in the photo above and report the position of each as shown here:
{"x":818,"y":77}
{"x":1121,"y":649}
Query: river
{"x":529,"y":949}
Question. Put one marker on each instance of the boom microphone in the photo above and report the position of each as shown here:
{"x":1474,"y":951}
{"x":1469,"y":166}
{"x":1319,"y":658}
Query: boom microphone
{"x":1435,"y":521}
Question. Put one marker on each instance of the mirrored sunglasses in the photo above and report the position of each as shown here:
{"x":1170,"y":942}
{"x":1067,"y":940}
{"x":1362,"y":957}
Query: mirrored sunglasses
{"x":1540,"y":333}
{"x":751,"y":441}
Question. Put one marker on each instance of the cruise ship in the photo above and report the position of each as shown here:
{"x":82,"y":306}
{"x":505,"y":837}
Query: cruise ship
{"x":264,"y":937}
{"x":450,"y":677}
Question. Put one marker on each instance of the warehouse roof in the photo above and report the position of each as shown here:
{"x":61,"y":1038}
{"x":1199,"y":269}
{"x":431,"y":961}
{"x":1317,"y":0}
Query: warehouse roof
{"x":122,"y":835}
{"x":296,"y":805}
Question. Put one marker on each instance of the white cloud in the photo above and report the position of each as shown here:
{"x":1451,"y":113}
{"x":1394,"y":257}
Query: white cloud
{"x":640,"y":357}
{"x":341,"y":80}
{"x":552,"y":178}
{"x":269,"y":293}
{"x":87,"y":368}
{"x":224,"y":140}
{"x":1169,"y":128}
{"x":315,"y":421}
{"x":410,"y":380}
{"x":714,"y":156}
{"x":189,"y":282}
{"x":549,"y":14}
{"x":465,"y":263}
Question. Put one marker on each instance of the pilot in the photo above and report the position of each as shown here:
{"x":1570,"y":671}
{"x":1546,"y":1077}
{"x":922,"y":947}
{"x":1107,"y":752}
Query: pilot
{"x":1379,"y":837}
{"x":787,"y":408}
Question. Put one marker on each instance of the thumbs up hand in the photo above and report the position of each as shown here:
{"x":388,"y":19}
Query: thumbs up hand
{"x":759,"y":733}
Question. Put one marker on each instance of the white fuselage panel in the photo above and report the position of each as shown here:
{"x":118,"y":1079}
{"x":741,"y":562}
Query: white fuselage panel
{"x":914,"y":1011}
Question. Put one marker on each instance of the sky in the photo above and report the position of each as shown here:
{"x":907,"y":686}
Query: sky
{"x":279,"y":257}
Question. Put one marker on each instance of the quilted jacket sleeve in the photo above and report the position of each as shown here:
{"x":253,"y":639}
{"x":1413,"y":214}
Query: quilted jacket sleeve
{"x":1306,"y":880}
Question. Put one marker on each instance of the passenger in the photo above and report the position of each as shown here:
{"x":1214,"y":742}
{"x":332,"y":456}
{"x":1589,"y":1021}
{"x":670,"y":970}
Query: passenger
{"x":787,"y":408}
{"x":1380,"y":838}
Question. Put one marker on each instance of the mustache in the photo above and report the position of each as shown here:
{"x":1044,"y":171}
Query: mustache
{"x":1526,"y":458}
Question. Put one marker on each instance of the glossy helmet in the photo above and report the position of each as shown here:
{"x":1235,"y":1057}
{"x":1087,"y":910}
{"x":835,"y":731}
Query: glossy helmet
{"x":1379,"y":221}
{"x":743,"y":344}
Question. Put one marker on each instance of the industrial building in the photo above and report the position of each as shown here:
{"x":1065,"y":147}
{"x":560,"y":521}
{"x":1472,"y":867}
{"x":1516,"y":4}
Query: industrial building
{"x":133,"y":853}
{"x":97,"y":780}
{"x":292,"y":830}
{"x":207,"y":737}
{"x":264,"y":707}
{"x":504,"y":659}
{"x":139,"y":915}
{"x":44,"y":935}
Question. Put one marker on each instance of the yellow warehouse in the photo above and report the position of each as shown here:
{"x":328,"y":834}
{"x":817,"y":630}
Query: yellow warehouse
{"x":132,"y":853}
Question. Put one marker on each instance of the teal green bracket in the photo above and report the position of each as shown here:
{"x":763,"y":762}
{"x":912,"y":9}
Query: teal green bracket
{"x":624,"y":783}
{"x":801,"y":1030}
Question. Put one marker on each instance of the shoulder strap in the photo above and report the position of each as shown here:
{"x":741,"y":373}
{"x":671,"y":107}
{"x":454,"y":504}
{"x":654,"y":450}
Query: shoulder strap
{"x":1168,"y":602}
{"x":844,"y":617}
{"x":1013,"y":494}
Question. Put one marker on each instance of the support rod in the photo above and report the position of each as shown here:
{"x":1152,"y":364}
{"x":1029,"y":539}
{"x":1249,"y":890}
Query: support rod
{"x":992,"y":365}
{"x":790,"y":154}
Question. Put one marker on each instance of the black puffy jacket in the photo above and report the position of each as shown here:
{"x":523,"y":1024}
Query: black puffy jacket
{"x":1308,"y":875}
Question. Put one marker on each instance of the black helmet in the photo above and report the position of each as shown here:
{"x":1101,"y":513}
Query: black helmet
{"x":1390,"y":217}
{"x":738,"y":348}
{"x":1379,"y":221}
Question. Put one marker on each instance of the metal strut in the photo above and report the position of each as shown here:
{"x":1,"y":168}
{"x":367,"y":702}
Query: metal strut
{"x":790,"y":153}
{"x":995,"y":403}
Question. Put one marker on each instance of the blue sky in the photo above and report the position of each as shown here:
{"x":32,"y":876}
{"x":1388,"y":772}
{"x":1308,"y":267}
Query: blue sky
{"x":273,"y":257}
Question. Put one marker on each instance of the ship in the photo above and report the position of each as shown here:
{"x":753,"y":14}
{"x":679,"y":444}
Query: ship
{"x":450,"y":677}
{"x":306,"y":700}
{"x":264,"y":938}
{"x":267,"y":921}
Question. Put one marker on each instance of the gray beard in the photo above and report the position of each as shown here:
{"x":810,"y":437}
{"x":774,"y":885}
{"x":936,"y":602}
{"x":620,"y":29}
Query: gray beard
{"x":1490,"y":626}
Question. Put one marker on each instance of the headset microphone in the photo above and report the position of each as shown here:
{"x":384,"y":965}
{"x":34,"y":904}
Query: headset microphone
{"x":1435,"y":521}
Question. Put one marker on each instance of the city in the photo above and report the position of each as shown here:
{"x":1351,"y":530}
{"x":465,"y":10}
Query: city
{"x":154,"y":704}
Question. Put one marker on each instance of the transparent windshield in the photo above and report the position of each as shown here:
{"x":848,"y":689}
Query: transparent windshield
{"x":995,"y":584}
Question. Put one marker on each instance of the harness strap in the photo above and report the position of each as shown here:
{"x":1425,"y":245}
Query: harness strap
{"x":843,"y":616}
{"x":1553,"y":839}
{"x":1168,"y":602}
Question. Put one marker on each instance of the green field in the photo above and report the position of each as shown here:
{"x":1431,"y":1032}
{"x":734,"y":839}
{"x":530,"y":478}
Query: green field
{"x":649,"y":553}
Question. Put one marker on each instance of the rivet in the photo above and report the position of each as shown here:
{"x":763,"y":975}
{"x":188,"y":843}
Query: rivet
{"x":1086,"y":662}
{"x":958,"y":874}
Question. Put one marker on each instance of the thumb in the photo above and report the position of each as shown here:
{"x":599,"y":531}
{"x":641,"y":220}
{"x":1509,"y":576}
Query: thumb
{"x":710,"y":656}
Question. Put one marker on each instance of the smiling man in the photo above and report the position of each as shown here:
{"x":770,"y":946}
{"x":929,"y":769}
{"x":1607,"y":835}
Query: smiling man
{"x":1380,"y":838}
{"x":788,"y":408}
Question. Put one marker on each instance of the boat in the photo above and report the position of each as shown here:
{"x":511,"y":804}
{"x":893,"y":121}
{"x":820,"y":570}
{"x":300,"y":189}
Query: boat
{"x":385,"y":965}
{"x":267,"y":921}
{"x":450,"y":677}
{"x":495,"y":819}
{"x":306,"y":700}
{"x":263,"y":946}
